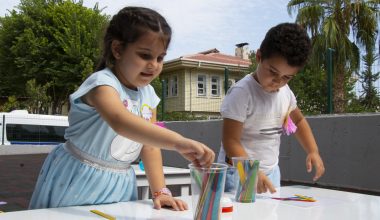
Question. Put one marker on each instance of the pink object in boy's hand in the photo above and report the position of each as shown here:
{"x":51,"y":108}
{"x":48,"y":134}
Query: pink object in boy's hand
{"x":160,"y":123}
{"x":289,"y":127}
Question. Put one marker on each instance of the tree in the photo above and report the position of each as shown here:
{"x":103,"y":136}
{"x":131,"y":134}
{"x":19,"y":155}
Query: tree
{"x":309,"y":86}
{"x":331,"y":24}
{"x":38,"y":103}
{"x":11,"y":104}
{"x":252,"y":58}
{"x":157,"y":85}
{"x":55,"y":42}
{"x":369,"y":98}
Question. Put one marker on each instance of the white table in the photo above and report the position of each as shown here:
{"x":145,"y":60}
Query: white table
{"x":331,"y":205}
{"x":173,"y":176}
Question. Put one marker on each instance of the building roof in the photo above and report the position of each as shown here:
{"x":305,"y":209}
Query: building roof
{"x":214,"y":56}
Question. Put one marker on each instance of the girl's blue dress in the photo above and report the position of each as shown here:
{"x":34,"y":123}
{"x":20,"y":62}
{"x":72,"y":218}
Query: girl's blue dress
{"x":93,"y":166}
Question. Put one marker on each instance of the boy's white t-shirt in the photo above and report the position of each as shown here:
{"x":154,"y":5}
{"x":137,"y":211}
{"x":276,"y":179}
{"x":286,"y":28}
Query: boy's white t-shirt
{"x":262,"y":114}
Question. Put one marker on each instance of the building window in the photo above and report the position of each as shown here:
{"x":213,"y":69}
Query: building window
{"x":201,"y":85}
{"x":166,"y":88}
{"x":173,"y":85}
{"x":215,"y":85}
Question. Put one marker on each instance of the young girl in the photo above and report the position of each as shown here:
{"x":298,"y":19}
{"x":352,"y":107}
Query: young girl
{"x":111,"y":120}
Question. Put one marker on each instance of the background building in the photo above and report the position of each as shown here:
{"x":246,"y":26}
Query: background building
{"x":197,"y":83}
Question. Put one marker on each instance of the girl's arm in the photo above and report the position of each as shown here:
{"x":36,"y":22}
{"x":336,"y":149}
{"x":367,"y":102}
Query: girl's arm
{"x":305,"y":137}
{"x":106,"y":101}
{"x":232,"y":130}
{"x":152,"y":159}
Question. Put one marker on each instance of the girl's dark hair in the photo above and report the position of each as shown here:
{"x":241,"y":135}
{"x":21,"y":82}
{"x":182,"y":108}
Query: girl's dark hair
{"x":127,"y":26}
{"x":288,"y":40}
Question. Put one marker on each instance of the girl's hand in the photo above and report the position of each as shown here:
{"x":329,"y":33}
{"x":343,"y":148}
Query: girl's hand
{"x":169,"y":201}
{"x":264,"y":184}
{"x":314,"y":159}
{"x":196,"y":152}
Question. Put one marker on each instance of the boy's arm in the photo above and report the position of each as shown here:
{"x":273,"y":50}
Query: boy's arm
{"x":232,"y":130}
{"x":305,"y":137}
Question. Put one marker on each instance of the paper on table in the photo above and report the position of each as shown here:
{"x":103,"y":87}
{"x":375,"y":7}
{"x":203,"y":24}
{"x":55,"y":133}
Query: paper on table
{"x":321,"y":201}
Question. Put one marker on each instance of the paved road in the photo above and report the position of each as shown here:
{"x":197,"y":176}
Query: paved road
{"x":18,"y":175}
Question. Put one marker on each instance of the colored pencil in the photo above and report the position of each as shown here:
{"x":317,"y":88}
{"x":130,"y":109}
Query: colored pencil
{"x":104,"y":215}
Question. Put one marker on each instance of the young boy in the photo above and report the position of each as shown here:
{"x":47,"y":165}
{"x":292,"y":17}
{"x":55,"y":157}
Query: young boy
{"x":256,"y":110}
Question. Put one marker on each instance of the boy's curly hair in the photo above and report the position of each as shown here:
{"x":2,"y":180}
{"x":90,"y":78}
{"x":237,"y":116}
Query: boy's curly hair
{"x":288,"y":40}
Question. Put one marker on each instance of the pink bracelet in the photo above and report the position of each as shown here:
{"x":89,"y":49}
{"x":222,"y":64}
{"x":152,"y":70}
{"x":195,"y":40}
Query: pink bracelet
{"x":163,"y":191}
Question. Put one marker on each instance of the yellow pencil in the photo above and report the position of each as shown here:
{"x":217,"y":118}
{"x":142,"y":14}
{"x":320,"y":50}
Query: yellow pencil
{"x":241,"y":172}
{"x":104,"y":215}
{"x":305,"y":198}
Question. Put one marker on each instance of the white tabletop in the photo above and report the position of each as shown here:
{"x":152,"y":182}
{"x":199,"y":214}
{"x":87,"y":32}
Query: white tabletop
{"x":330,"y":204}
{"x":167,"y":170}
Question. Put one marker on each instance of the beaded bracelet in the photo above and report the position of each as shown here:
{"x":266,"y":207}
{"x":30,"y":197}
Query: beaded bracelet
{"x":163,"y":191}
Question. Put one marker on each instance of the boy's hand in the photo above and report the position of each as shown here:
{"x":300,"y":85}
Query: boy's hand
{"x":314,"y":159}
{"x":196,"y":152}
{"x":264,"y":184}
{"x":169,"y":201}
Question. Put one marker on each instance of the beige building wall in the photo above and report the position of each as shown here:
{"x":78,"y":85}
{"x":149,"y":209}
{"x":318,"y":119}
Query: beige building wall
{"x":187,"y":98}
{"x":208,"y":102}
{"x":175,"y":103}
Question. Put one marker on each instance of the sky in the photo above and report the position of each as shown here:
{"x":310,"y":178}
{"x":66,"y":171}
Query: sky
{"x":200,"y":25}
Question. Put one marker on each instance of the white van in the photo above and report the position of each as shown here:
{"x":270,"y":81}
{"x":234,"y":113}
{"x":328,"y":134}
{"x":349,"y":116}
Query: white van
{"x":19,"y":127}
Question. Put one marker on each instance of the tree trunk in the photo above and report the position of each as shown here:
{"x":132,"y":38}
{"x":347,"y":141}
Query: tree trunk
{"x":339,"y":90}
{"x":54,"y":107}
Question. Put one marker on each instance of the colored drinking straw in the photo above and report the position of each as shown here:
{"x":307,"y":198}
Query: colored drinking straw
{"x":211,"y":189}
{"x":246,"y":188}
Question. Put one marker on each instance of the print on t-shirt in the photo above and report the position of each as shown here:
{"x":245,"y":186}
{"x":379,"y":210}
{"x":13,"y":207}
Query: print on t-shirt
{"x":123,"y":148}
